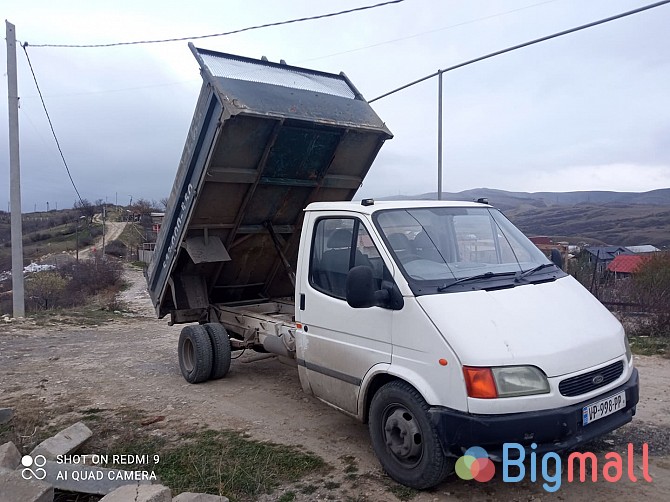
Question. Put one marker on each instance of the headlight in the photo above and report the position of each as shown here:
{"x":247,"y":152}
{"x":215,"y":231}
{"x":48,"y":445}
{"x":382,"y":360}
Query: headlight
{"x":504,"y":381}
{"x":520,"y":381}
{"x":629,"y":353}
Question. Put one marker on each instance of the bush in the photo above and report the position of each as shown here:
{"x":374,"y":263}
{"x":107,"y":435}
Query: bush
{"x":72,"y":284}
{"x":582,"y":270}
{"x":45,"y":290}
{"x":85,"y":240}
{"x":89,"y":278}
{"x":651,"y":287}
{"x":37,"y":236}
{"x":116,"y":248}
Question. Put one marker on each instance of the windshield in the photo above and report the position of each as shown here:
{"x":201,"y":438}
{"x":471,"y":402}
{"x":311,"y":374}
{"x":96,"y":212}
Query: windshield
{"x":443,"y":245}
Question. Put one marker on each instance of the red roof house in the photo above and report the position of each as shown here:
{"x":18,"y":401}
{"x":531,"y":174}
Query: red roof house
{"x":627,"y":263}
{"x":541,"y":239}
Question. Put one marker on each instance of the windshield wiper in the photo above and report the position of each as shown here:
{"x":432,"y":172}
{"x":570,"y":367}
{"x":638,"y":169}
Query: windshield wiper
{"x":485,"y":275}
{"x":526,"y":273}
{"x":488,"y":275}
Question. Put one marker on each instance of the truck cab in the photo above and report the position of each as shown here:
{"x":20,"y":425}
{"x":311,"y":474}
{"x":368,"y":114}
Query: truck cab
{"x":442,"y":326}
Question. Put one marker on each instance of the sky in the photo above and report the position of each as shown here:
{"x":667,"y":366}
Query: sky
{"x":588,"y":111}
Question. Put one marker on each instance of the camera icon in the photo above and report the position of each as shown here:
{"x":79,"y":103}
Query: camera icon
{"x":38,"y":463}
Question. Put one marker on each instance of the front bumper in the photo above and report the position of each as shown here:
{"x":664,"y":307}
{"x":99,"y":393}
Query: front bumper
{"x":552,"y":430}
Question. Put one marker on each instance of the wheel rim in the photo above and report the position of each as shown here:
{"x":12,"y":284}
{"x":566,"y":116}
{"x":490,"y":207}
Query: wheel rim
{"x":402,"y":435}
{"x":188,"y":355}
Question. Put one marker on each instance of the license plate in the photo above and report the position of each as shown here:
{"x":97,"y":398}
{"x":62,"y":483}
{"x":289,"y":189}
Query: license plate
{"x":599,"y":409}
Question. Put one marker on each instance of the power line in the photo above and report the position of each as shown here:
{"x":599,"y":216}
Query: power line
{"x":416,"y":35}
{"x":181,"y":39}
{"x":386,"y":42}
{"x":525,"y":44}
{"x":51,"y":124}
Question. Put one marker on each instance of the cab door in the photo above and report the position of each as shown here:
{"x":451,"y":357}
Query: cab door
{"x":337,"y":344}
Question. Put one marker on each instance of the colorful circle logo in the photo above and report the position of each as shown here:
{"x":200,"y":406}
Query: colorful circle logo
{"x":475,"y":464}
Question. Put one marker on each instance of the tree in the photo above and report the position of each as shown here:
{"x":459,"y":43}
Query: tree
{"x":144,"y":207}
{"x":85,"y":207}
{"x":652,"y":289}
{"x":582,"y":270}
{"x":46,"y":288}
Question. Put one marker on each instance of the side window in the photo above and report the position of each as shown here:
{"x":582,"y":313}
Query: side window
{"x":338,"y":245}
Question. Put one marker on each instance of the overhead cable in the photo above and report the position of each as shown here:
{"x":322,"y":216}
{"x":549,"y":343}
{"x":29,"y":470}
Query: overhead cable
{"x":241,"y":30}
{"x":51,"y":124}
{"x":436,"y":30}
{"x":525,"y":44}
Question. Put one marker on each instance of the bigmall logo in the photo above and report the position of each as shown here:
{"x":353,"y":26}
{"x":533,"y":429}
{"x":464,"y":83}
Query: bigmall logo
{"x":476,"y":464}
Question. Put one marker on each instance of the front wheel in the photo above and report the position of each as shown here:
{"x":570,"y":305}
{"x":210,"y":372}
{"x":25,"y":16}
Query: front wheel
{"x":404,"y":438}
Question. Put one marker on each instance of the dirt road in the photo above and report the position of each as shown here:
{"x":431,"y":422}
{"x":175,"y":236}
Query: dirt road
{"x":131,"y":361}
{"x":112,"y":231}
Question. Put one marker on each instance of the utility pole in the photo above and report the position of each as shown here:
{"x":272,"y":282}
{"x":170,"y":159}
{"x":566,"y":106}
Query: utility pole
{"x":18,"y":301}
{"x":439,"y":136}
{"x":104,"y":215}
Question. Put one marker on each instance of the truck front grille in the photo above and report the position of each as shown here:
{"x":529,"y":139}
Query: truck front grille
{"x":581,"y":384}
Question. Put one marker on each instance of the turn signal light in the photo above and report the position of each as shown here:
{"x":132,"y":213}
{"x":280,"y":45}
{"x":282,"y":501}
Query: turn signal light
{"x":480,"y":383}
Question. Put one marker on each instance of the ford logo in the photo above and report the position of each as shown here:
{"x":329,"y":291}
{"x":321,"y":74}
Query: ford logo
{"x":598,"y":379}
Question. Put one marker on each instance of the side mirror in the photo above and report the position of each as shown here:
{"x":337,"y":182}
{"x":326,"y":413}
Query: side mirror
{"x":557,"y":258}
{"x":361,"y":293}
{"x":360,"y":289}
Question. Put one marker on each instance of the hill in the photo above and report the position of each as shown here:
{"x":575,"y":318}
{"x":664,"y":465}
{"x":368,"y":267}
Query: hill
{"x":618,"y":218}
{"x":599,"y":217}
{"x":506,"y":200}
{"x":615,"y":224}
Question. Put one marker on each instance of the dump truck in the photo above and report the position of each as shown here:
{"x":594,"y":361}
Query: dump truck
{"x":437,"y":323}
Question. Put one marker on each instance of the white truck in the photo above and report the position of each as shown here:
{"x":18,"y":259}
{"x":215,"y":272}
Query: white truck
{"x":438,"y":323}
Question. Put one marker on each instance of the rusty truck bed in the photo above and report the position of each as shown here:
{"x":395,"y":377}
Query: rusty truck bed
{"x":266,"y":139}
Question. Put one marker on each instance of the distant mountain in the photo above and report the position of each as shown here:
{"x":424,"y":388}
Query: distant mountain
{"x":617,"y":218}
{"x":504,"y":199}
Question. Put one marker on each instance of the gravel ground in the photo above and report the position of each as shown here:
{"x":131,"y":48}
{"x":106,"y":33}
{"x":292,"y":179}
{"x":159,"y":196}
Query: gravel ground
{"x":130,"y":360}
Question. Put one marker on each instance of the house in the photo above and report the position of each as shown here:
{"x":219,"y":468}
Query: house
{"x":626,"y":265}
{"x":646,"y":248}
{"x":547,"y":245}
{"x":604,"y":255}
{"x":541,"y":240}
{"x":156,"y":221}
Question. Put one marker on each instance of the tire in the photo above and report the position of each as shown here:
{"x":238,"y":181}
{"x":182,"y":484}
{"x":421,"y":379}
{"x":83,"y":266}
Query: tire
{"x":218,"y":336}
{"x":404,"y":438}
{"x":195,"y":354}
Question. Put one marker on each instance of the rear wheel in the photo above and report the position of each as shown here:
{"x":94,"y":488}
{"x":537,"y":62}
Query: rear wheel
{"x":220,"y":350}
{"x":195,"y":354}
{"x":404,"y":438}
